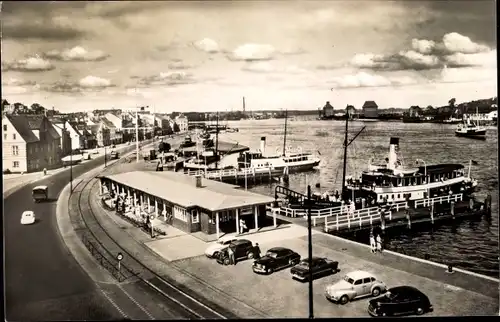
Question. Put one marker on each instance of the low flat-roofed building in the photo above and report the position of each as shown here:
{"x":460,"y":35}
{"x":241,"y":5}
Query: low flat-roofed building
{"x":193,"y":204}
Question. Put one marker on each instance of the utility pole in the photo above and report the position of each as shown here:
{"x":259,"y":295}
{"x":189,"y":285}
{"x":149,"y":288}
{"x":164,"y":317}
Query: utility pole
{"x":284,"y":138}
{"x":137,"y":135}
{"x":309,"y":235}
{"x":342,"y":194}
{"x":217,"y":141}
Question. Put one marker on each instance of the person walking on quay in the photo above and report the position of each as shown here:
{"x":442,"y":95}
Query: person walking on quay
{"x":379,"y":243}
{"x":230,"y":253}
{"x":256,"y":251}
{"x":373,"y":244}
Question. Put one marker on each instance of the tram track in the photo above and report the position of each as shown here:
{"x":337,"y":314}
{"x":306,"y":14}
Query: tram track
{"x":132,"y":269}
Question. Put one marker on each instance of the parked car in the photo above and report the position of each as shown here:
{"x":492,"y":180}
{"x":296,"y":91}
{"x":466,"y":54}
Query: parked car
{"x":213,"y":250}
{"x":275,"y":259}
{"x":400,"y":300}
{"x":28,"y":217}
{"x":242,"y":248}
{"x":114,"y":155}
{"x":320,"y":266}
{"x":354,"y":285}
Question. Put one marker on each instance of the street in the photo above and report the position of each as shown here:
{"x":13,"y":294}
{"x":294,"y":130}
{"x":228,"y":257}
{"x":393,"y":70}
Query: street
{"x":42,"y":279}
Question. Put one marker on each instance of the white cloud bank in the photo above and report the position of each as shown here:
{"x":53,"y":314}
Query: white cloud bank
{"x":31,"y":64}
{"x":94,"y":82}
{"x":77,"y":53}
{"x":253,"y":52}
{"x":207,"y":45}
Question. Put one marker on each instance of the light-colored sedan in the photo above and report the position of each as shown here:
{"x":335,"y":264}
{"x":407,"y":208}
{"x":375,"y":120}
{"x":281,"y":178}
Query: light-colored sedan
{"x":28,"y":218}
{"x":214,"y":249}
{"x":354,"y":285}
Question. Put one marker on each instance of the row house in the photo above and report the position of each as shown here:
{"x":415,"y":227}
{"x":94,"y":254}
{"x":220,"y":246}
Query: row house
{"x":101,"y":133}
{"x":182,"y":122}
{"x":65,"y":138}
{"x":89,"y":140}
{"x":30,"y":144}
{"x":115,"y":134}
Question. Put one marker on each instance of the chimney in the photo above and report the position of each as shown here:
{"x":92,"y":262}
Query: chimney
{"x":198,"y":181}
{"x":263,"y":145}
{"x":393,"y":153}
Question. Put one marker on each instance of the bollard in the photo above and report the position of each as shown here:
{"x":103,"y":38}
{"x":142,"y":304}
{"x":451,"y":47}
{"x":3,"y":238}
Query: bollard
{"x":427,"y":257}
{"x":450,"y":269}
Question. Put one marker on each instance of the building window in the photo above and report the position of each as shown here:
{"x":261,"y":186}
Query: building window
{"x":13,"y":136}
{"x":180,"y":213}
{"x":195,"y":218}
{"x":5,"y":127}
{"x":15,"y":164}
{"x":5,"y":136}
{"x":15,"y":150}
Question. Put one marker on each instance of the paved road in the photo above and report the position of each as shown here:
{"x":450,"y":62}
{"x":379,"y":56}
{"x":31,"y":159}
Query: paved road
{"x":43,"y":281}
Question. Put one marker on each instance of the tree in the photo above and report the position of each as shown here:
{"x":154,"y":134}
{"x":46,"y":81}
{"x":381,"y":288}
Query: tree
{"x":37,"y":109}
{"x":451,"y":102}
{"x":176,"y":128}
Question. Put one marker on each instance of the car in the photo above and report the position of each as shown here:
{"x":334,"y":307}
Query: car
{"x":320,"y":266}
{"x":355,"y":284}
{"x":242,"y":248}
{"x":114,"y":155}
{"x":28,"y":217}
{"x":213,"y":250}
{"x":40,"y":193}
{"x":275,"y":258}
{"x":400,"y":300}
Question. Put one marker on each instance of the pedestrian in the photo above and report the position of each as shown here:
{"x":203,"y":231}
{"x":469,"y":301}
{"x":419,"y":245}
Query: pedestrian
{"x":230,"y":252}
{"x":256,"y":251}
{"x":379,"y":243}
{"x":372,"y":243}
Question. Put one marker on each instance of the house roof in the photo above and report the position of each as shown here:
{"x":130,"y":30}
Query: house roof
{"x":108,"y":123}
{"x":213,"y":195}
{"x":370,"y":104}
{"x":21,"y":124}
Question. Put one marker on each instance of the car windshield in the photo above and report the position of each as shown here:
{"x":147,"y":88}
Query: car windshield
{"x":272,"y":254}
{"x":304,"y":264}
{"x":223,"y":242}
{"x":348,"y":279}
{"x":40,"y":190}
{"x":390,"y":295}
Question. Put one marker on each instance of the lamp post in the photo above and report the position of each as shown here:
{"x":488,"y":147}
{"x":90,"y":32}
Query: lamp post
{"x":309,"y":235}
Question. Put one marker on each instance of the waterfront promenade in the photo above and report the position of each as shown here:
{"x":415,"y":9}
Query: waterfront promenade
{"x":248,"y":295}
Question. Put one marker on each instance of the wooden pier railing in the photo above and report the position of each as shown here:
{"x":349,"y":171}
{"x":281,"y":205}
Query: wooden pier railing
{"x":337,"y":219}
{"x":232,"y":173}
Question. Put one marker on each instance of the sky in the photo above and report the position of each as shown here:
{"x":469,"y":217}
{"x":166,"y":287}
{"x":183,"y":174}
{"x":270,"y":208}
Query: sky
{"x":206,"y":55}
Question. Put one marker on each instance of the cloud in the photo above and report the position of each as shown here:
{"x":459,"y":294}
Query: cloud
{"x":362,"y":79}
{"x":77,"y":53}
{"x":207,"y":45}
{"x":455,"y":50}
{"x":253,"y":52}
{"x":267,"y":67}
{"x":31,"y":64}
{"x":86,"y":84}
{"x":466,"y":75}
{"x":17,"y":82}
{"x":179,"y":65}
{"x":12,"y":86}
{"x":168,"y":78}
{"x":94,"y":82}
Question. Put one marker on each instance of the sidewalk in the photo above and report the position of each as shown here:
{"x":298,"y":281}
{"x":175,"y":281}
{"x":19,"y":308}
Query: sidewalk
{"x":11,"y":182}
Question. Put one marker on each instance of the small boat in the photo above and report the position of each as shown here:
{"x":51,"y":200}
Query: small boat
{"x":470,"y":129}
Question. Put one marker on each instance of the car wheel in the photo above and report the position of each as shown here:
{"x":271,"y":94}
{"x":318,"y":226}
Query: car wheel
{"x":226,"y":261}
{"x":376,"y":291}
{"x":269,"y":270}
{"x":420,"y":311}
{"x":344,"y":299}
{"x":250,"y":255}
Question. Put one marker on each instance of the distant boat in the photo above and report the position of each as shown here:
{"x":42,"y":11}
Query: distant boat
{"x":470,"y":129}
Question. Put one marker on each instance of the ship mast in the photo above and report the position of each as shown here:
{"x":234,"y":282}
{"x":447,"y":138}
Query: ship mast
{"x":217,"y":141}
{"x":346,"y":144}
{"x":284,"y":137}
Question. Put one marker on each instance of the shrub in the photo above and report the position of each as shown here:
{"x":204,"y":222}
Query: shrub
{"x":6,"y":171}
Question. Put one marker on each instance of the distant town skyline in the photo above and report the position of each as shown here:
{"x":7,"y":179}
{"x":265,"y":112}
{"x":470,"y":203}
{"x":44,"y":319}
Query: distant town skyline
{"x":205,"y":56}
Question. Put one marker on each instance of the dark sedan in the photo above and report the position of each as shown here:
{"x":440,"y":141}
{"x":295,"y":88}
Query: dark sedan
{"x":400,"y":300}
{"x":320,"y":267}
{"x":276,"y":258}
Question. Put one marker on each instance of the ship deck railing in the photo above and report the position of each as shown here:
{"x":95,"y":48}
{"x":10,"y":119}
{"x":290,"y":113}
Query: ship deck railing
{"x":336,"y":218}
{"x":215,"y":174}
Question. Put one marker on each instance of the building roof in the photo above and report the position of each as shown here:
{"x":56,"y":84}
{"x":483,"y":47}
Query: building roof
{"x":112,"y":117}
{"x":369,"y":104}
{"x":213,"y":195}
{"x":21,"y":124}
{"x":108,"y":123}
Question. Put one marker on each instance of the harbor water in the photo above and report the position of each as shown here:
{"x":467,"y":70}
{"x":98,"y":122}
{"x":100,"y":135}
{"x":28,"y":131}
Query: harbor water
{"x":468,"y":244}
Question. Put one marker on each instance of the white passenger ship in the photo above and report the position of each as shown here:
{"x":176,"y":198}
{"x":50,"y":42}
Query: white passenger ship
{"x":395,"y":182}
{"x":293,"y":160}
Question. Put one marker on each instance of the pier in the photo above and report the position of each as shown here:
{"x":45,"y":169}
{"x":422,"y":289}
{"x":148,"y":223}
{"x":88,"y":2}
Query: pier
{"x":251,"y":175}
{"x":342,"y":219}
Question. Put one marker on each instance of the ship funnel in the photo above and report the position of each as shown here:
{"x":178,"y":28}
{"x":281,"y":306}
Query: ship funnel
{"x":393,"y":153}
{"x":263,"y":145}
